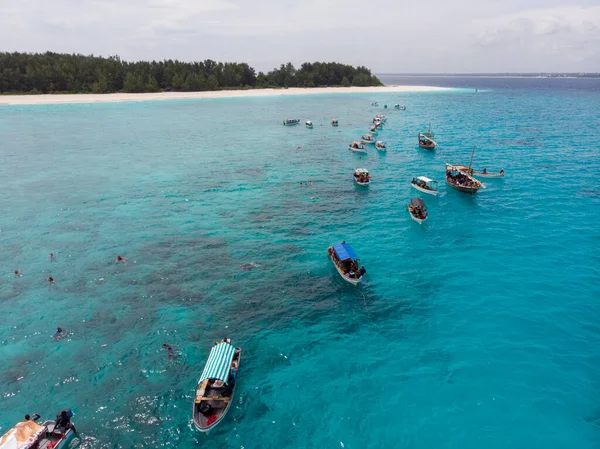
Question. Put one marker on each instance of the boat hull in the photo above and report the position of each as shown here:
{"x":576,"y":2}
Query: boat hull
{"x":349,"y":280}
{"x":427,"y":191}
{"x":488,"y":175}
{"x":290,"y":124}
{"x":363,"y":184}
{"x":368,"y":142}
{"x":381,"y":148}
{"x":463,"y":188}
{"x":358,"y":150}
{"x":418,"y":220}
{"x":428,"y":146}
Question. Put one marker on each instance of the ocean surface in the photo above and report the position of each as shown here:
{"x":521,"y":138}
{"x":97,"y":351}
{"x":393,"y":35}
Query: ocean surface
{"x":478,"y":329}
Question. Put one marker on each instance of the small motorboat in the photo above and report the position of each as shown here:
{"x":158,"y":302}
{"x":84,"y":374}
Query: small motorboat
{"x":291,"y":122}
{"x":380,"y":118}
{"x":346,"y":262}
{"x":57,"y":434}
{"x":309,"y":124}
{"x":487,"y":174}
{"x":417,"y":210}
{"x":334,"y":122}
{"x":358,"y":147}
{"x":374,"y":104}
{"x":425,"y":185}
{"x":216,"y":385}
{"x":426,"y":140}
{"x":362,"y":177}
{"x":368,"y":138}
{"x":459,"y":178}
{"x":400,"y":108}
{"x":373,"y":130}
{"x":380,"y":145}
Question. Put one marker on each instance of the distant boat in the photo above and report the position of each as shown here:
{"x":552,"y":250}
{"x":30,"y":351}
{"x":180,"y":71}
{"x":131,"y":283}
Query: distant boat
{"x":216,"y":385}
{"x":362,"y":177}
{"x":400,"y":108}
{"x":488,"y":174}
{"x":426,"y":140}
{"x":367,"y":138}
{"x":380,"y":118}
{"x":30,"y":434}
{"x":425,"y":185}
{"x":334,"y":122}
{"x":291,"y":122}
{"x":417,"y":210}
{"x":374,"y":104}
{"x":373,"y":130}
{"x":346,"y":262}
{"x":380,"y":145}
{"x":309,"y":124}
{"x":359,"y":147}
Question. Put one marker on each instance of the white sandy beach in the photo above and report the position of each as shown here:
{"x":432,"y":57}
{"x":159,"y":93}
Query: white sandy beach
{"x":122,"y":97}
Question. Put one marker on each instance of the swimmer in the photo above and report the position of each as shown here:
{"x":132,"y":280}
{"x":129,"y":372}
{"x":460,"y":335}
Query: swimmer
{"x":18,"y":273}
{"x":169,"y":349}
{"x":51,"y":279}
{"x":249,"y":266}
{"x":59,"y":333}
{"x":301,"y":185}
{"x":372,"y":159}
{"x":52,"y":257}
{"x":120,"y":259}
{"x":310,"y":182}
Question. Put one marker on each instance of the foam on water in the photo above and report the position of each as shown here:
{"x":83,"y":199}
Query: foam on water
{"x":479,"y":328}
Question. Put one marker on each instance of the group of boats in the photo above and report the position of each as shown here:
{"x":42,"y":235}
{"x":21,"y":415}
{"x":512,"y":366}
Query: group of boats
{"x":369,"y":138}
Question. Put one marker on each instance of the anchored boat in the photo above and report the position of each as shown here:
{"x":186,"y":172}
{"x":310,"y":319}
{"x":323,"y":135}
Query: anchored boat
{"x":334,"y":122}
{"x":400,"y":108}
{"x":425,"y":185}
{"x":216,"y":385}
{"x":368,"y":138}
{"x":362,"y":177}
{"x":461,"y":180}
{"x":359,"y":147}
{"x":417,"y":210}
{"x":380,"y":145}
{"x":488,"y":174}
{"x":291,"y":122}
{"x":30,"y":434}
{"x":426,"y":140}
{"x":346,"y":262}
{"x":309,"y":124}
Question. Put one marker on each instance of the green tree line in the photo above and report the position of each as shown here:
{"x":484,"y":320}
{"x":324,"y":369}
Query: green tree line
{"x":73,"y":73}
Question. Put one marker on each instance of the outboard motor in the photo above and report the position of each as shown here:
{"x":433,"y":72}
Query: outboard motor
{"x":205,"y":408}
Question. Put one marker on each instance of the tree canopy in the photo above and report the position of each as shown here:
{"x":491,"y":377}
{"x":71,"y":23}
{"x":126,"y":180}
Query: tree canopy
{"x":74,"y":73}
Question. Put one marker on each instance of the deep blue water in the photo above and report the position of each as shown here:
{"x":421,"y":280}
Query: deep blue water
{"x":480,"y":328}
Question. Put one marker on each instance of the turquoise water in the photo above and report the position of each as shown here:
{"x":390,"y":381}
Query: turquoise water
{"x":480,"y":328}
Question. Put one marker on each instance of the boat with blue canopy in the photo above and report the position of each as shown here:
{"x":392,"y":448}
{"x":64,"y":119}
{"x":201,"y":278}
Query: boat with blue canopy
{"x":216,"y":385}
{"x":346,"y":262}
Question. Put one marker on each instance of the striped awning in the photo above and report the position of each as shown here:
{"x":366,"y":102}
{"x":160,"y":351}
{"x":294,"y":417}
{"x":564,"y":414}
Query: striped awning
{"x":218,"y":363}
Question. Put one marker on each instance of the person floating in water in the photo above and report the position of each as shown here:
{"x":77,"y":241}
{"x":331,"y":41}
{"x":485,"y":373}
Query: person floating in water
{"x":35,"y":417}
{"x":52,"y":257}
{"x":18,"y":273}
{"x":120,"y":259}
{"x":51,"y":279}
{"x":59,"y":333}
{"x":170,"y":351}
{"x":249,"y":266}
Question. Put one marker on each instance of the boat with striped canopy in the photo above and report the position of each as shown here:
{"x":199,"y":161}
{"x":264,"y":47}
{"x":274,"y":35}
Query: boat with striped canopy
{"x":346,"y":262}
{"x":216,"y":385}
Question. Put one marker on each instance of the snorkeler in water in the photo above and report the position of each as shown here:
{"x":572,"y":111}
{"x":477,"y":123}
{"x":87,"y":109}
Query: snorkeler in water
{"x":170,"y":351}
{"x":52,"y":257}
{"x":18,"y":273}
{"x":51,"y":279}
{"x":120,"y":259}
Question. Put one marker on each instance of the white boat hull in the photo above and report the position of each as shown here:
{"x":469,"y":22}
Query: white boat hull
{"x":421,"y":189}
{"x":353,"y":281}
{"x":418,"y":220}
{"x":362,"y":183}
{"x":358,"y":150}
{"x":488,"y":175}
{"x":368,"y":142}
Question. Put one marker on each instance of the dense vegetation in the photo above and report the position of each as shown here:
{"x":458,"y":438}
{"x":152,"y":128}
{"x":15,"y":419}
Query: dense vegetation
{"x":54,"y":72}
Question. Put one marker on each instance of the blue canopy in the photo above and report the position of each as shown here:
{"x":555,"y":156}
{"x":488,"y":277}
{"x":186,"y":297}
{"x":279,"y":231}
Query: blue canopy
{"x":344,"y":251}
{"x":218,"y":363}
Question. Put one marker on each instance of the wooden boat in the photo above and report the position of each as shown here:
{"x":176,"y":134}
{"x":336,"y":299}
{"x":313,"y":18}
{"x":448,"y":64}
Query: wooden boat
{"x":461,"y":180}
{"x":291,"y":122}
{"x":346,"y":262}
{"x":425,"y":185}
{"x":488,"y":174}
{"x":309,"y":124}
{"x":31,"y":434}
{"x":380,"y":145}
{"x":334,"y":122}
{"x":362,"y":177}
{"x":417,"y":210}
{"x":368,"y":138}
{"x":426,"y":140}
{"x":358,"y":147}
{"x":216,"y":385}
{"x":400,"y":108}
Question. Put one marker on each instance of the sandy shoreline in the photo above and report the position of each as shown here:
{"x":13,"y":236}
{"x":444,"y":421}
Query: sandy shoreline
{"x":121,"y":97}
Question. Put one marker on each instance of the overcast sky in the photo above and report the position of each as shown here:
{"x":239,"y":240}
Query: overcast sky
{"x":384,"y":35}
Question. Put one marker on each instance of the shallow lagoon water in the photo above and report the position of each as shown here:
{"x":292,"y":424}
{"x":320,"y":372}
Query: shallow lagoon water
{"x":480,"y":328}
